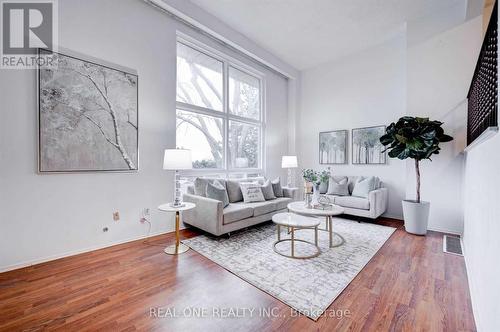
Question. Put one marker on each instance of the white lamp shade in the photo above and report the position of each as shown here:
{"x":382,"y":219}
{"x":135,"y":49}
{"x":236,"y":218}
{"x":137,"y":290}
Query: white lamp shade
{"x":176,"y":159}
{"x":289,"y":162}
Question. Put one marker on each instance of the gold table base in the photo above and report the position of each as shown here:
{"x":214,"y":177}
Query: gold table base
{"x":178,"y":247}
{"x":174,"y":249}
{"x":328,"y":228}
{"x":293,"y":240}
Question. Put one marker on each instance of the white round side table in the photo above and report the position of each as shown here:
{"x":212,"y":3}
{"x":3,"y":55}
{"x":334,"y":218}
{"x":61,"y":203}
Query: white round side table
{"x":295,"y":222}
{"x":177,"y":247}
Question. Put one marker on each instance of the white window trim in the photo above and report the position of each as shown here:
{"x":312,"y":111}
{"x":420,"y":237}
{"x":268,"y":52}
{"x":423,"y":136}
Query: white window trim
{"x":225,"y":115}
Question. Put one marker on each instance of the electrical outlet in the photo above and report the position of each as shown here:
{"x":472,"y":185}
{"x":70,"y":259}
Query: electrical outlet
{"x":116,"y":216}
{"x":144,"y":215}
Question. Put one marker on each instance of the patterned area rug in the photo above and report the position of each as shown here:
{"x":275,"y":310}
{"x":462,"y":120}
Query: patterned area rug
{"x":307,"y":285}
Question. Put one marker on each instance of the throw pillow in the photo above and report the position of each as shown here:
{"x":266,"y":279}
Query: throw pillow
{"x":234,"y":191}
{"x":363,"y":186}
{"x":217,"y":191}
{"x":252,"y":192}
{"x":200,"y":186}
{"x":278,"y":191}
{"x":338,"y":186}
{"x":267,"y":190}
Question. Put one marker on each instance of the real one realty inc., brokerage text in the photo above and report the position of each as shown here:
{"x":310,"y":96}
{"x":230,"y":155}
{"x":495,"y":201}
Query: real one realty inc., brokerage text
{"x":232,"y":312}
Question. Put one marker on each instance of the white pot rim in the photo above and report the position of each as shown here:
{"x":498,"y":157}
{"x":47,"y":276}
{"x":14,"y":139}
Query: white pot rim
{"x":412,"y":201}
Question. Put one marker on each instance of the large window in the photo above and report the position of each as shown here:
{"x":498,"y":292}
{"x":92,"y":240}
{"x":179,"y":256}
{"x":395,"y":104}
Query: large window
{"x":219,"y":111}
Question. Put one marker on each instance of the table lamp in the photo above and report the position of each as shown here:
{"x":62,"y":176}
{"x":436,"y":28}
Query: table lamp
{"x":175,"y":160}
{"x":289,"y":162}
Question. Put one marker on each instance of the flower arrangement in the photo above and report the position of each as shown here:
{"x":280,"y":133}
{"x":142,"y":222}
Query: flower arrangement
{"x":324,"y":175}
{"x":310,"y":175}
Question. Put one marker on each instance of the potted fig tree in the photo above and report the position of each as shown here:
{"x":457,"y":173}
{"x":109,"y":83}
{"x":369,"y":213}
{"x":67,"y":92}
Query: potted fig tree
{"x":418,"y":139}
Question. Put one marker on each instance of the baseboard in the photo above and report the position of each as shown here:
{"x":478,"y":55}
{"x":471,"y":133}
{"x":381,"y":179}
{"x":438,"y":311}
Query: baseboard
{"x":76,"y":252}
{"x":442,"y":230}
{"x":471,"y":289}
{"x":390,"y":216}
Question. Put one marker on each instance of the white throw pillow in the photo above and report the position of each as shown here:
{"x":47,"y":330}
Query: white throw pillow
{"x":363,"y":186}
{"x":252,"y":192}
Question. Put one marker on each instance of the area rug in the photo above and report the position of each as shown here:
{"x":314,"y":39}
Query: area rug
{"x":307,"y":285}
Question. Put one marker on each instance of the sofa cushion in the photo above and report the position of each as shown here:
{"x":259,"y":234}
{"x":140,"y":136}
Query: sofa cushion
{"x":235,"y":212}
{"x":260,"y":208}
{"x":363,"y":186}
{"x":217,"y":191}
{"x":267,"y":190}
{"x":282,"y":202}
{"x":252,"y":192}
{"x":277,"y":189}
{"x":200,"y":185}
{"x":337,"y":185}
{"x":352,"y":202}
{"x":234,"y":191}
{"x":354,"y":179}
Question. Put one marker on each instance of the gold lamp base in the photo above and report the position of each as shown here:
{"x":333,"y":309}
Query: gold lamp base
{"x":175,"y":250}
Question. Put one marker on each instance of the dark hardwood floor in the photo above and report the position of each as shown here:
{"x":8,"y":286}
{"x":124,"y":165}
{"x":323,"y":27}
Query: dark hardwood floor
{"x":410,"y":285}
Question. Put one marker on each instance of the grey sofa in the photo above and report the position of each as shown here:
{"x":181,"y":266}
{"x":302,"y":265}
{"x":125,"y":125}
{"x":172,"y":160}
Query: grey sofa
{"x":210,"y":216}
{"x":372,"y":207}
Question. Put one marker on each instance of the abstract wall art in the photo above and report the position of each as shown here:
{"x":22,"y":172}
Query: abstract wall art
{"x":366,"y":146}
{"x":333,"y":147}
{"x":87,"y":115}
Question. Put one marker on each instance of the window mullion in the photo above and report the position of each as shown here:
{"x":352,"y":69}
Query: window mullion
{"x":225,"y":97}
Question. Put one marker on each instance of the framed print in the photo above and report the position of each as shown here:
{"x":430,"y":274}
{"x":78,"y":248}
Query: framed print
{"x":87,"y":115}
{"x":333,"y":147}
{"x":366,"y":146}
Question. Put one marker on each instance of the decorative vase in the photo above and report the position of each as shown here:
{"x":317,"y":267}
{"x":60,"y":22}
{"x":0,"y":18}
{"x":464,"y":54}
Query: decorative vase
{"x":323,"y":187}
{"x":315,"y":198}
{"x":308,"y":187}
{"x":416,"y":216}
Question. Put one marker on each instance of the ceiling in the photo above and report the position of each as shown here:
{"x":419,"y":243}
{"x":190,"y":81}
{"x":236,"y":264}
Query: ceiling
{"x":306,"y":33}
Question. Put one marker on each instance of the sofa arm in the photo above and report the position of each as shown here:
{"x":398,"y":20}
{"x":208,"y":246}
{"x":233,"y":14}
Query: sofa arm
{"x":207,"y":215}
{"x":290,"y":192}
{"x":378,"y":202}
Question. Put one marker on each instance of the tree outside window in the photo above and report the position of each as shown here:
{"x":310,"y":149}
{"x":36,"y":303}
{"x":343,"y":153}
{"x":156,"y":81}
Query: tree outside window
{"x":202,"y":118}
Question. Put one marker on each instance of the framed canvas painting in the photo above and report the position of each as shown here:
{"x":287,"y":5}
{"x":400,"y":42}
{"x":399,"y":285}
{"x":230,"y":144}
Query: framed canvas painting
{"x":88,"y":118}
{"x":333,"y":147}
{"x":366,"y":146}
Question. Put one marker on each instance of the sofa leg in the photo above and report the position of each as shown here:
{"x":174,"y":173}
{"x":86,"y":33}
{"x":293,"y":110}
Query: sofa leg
{"x":228,"y":235}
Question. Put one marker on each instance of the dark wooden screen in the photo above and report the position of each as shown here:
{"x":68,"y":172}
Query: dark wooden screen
{"x":483,"y":91}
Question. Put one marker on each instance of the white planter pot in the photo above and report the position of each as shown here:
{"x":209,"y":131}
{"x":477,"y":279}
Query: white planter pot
{"x":416,"y":216}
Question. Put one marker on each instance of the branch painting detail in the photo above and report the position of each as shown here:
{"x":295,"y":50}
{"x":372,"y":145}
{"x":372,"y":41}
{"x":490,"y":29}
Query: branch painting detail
{"x":88,"y":117}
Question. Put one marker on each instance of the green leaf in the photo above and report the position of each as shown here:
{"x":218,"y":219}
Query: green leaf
{"x":401,"y":138}
{"x":445,"y":138}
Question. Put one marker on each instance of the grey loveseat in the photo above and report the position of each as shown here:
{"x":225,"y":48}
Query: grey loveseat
{"x":372,"y":207}
{"x":210,"y":216}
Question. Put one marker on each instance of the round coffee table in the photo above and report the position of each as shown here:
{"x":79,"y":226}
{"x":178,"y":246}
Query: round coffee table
{"x":300,"y":208}
{"x":293,"y":222}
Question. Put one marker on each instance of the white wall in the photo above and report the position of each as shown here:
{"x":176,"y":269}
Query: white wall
{"x":48,"y":216}
{"x":366,"y":89}
{"x":439,"y":71}
{"x":481,"y":231}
